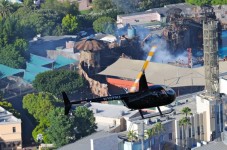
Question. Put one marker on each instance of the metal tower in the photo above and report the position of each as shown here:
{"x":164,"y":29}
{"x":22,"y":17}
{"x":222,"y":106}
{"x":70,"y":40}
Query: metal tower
{"x":210,"y":45}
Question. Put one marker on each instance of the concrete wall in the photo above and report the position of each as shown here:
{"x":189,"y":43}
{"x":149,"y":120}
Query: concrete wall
{"x":118,"y":123}
{"x":105,"y":143}
{"x":223,"y":86}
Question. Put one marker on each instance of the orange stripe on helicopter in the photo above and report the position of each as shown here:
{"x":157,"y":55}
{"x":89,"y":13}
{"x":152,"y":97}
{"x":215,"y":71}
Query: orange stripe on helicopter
{"x":150,"y":54}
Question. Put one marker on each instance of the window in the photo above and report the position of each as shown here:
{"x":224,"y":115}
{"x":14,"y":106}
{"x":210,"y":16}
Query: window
{"x":190,"y":132}
{"x":14,"y":129}
{"x":198,"y":130}
{"x":181,"y":136}
{"x":153,"y":141}
{"x":161,"y":138}
{"x":170,"y":136}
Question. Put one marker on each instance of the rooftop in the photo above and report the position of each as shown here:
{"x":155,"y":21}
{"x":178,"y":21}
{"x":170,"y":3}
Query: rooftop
{"x":7,"y":117}
{"x":90,"y":45}
{"x":186,"y":8}
{"x":111,"y":111}
{"x":84,"y":143}
{"x":157,"y":73}
{"x":212,"y":146}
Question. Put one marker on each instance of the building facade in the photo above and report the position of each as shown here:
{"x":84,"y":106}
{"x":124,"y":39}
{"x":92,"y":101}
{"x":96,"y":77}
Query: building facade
{"x":10,"y":131}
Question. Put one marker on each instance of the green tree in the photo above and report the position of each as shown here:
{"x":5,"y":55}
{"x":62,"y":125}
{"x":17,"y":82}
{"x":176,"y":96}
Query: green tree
{"x":69,"y":24}
{"x":158,"y":127}
{"x":186,"y":111}
{"x":84,"y":121}
{"x":104,"y":24}
{"x":199,"y":2}
{"x":21,"y":45}
{"x":8,"y":106}
{"x":39,"y":105}
{"x":5,"y":8}
{"x":61,"y":129}
{"x":28,"y":3}
{"x":64,"y":8}
{"x":146,"y":4}
{"x":149,"y":133}
{"x":131,"y":135}
{"x":64,"y":80}
{"x":100,"y":5}
{"x":9,"y":56}
{"x":184,"y":122}
{"x":41,"y":129}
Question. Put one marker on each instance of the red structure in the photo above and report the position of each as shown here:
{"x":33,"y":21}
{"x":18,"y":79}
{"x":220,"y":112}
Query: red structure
{"x":122,"y":83}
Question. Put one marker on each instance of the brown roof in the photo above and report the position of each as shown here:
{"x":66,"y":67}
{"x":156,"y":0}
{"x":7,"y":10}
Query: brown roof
{"x":90,"y":45}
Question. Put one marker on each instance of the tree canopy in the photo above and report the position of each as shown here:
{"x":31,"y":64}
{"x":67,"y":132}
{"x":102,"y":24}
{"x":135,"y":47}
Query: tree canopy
{"x":209,"y":2}
{"x":69,"y":24}
{"x":104,"y":24}
{"x":84,"y":121}
{"x":102,"y":5}
{"x":186,"y":111}
{"x":8,"y":106}
{"x":57,"y":81}
{"x":61,"y":129}
{"x":39,"y":105}
{"x":56,"y":127}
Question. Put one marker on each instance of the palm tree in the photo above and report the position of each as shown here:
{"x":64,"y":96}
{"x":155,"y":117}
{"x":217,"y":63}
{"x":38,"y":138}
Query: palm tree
{"x":149,"y":133}
{"x":184,"y":122}
{"x":132,"y":136}
{"x":186,"y":111}
{"x":156,"y":130}
{"x":5,"y":8}
{"x":159,"y":129}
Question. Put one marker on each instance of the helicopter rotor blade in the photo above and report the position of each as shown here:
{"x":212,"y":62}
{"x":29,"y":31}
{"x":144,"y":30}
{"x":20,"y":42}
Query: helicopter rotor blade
{"x":150,"y":54}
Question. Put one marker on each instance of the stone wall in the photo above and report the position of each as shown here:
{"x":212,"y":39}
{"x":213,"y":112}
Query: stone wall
{"x":97,"y":88}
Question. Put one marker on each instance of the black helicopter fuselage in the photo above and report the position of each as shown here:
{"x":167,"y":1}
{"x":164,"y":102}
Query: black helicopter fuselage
{"x":154,"y":96}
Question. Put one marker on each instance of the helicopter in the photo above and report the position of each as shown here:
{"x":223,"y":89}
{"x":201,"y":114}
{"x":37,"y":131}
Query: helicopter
{"x":145,"y":97}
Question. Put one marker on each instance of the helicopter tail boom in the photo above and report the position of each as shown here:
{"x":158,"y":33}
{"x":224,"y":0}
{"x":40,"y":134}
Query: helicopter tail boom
{"x":66,"y":102}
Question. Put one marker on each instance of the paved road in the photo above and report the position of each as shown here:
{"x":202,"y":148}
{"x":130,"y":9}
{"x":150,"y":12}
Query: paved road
{"x":27,"y":124}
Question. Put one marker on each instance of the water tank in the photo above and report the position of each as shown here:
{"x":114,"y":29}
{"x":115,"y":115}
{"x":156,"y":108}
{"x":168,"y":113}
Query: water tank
{"x":131,"y":32}
{"x":225,"y":136}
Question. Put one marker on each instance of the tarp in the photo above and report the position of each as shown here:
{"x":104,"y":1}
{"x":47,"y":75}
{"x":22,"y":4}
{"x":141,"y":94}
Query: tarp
{"x":40,"y":61}
{"x":35,"y":69}
{"x":28,"y":76}
{"x":63,"y":61}
{"x":6,"y":71}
